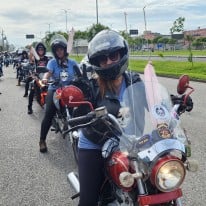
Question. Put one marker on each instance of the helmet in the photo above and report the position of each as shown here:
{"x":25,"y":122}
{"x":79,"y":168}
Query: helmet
{"x":24,"y":52}
{"x":40,"y":45}
{"x":58,"y":41}
{"x":104,"y":43}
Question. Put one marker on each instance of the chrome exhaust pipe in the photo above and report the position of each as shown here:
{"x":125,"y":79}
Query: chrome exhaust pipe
{"x":74,"y":181}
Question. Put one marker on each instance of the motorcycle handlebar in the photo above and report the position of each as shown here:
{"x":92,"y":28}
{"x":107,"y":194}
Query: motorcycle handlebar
{"x":85,"y":120}
{"x":82,"y":119}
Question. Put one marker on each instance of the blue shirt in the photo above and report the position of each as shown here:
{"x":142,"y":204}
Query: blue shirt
{"x":84,"y":143}
{"x":62,"y":75}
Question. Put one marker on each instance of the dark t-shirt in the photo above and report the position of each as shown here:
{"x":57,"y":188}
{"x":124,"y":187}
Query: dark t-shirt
{"x":42,"y":62}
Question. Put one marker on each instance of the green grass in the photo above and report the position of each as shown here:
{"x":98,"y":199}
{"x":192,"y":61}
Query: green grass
{"x":196,"y":72}
{"x":172,"y":53}
{"x":173,"y":69}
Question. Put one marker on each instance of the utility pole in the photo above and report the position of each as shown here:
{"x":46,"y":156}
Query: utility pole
{"x":145,"y":23}
{"x":97,"y":11}
{"x":49,"y":27}
{"x":66,"y":11}
{"x":125,"y":18}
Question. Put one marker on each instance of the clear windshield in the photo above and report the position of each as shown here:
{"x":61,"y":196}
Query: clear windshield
{"x":148,"y":117}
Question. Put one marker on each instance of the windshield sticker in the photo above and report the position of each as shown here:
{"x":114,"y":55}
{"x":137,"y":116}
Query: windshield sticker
{"x":163,"y":130}
{"x":160,"y":112}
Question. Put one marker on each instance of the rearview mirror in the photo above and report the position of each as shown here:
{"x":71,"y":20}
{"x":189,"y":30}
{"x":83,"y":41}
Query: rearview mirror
{"x":183,"y":84}
{"x":72,"y":96}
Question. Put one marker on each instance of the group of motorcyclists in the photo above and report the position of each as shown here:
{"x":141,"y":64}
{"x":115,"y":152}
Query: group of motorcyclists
{"x":108,"y":55}
{"x":5,"y":60}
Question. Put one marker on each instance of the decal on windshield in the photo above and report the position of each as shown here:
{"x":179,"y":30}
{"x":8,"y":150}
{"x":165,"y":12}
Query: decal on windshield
{"x":160,"y":112}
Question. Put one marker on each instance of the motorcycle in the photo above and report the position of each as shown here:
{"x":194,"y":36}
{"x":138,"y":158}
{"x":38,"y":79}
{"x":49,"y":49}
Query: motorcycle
{"x":39,"y":87}
{"x":25,"y":71}
{"x":1,"y":69}
{"x":146,"y":150}
{"x":65,"y":109}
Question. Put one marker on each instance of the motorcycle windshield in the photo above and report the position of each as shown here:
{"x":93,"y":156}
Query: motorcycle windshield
{"x":149,"y":122}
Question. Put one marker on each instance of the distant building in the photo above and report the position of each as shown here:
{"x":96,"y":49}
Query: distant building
{"x":197,"y":33}
{"x":80,"y":46}
{"x":150,"y":35}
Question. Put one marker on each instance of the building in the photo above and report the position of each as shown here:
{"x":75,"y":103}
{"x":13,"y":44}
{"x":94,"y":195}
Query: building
{"x":197,"y":33}
{"x":80,"y":46}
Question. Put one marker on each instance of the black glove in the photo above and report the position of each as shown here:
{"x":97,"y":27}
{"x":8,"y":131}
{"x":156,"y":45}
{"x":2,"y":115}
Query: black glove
{"x":187,"y":106}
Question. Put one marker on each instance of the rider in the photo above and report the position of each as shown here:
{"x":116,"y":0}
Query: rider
{"x":24,"y":57}
{"x":1,"y":65}
{"x":108,"y":54}
{"x":62,"y":70}
{"x":42,"y":62}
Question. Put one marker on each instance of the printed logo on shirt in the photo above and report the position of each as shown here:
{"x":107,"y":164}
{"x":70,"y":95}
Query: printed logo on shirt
{"x":64,"y":76}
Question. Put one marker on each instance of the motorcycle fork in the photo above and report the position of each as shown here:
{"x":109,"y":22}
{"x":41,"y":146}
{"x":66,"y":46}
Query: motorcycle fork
{"x":140,"y":183}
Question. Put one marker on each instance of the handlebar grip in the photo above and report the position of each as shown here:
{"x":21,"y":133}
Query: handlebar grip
{"x":81,"y":119}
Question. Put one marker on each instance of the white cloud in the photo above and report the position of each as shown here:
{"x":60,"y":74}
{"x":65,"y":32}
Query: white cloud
{"x":21,"y":17}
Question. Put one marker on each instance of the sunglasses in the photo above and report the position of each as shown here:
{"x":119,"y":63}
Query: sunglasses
{"x":113,"y":56}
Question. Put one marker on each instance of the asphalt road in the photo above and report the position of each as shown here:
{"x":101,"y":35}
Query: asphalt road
{"x":28,"y":177}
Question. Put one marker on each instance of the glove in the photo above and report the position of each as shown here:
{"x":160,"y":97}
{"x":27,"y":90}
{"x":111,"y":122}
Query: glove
{"x":187,"y":106}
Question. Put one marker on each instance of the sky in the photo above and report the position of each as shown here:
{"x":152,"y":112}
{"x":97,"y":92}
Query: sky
{"x":18,"y":18}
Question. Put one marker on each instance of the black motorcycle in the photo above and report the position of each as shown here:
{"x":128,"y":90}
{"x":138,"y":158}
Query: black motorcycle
{"x":24,"y":71}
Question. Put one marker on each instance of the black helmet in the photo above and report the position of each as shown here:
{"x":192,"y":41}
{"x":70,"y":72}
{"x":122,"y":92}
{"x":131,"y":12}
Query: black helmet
{"x":58,"y":41}
{"x":40,"y":45}
{"x":24,"y":53}
{"x":104,"y":43}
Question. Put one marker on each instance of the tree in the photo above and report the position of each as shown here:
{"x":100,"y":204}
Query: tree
{"x":178,"y":25}
{"x":172,"y":42}
{"x":94,"y":29}
{"x":80,"y":35}
{"x":163,"y":41}
{"x":189,"y":38}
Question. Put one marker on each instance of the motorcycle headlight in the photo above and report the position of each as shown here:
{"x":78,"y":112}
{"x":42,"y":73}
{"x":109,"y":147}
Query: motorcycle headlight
{"x":126,"y":179}
{"x":168,"y":174}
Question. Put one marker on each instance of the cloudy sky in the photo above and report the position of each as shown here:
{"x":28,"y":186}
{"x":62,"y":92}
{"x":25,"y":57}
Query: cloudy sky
{"x":18,"y":18}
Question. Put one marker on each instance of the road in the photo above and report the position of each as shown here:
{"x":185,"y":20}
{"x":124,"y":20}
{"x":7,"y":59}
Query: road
{"x":28,"y":177}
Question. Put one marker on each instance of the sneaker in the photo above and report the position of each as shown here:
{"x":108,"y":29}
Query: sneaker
{"x":25,"y":95}
{"x":43,"y":147}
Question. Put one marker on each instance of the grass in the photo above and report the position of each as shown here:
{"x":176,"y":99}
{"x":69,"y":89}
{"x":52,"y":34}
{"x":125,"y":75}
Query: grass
{"x":197,"y":72}
{"x":172,"y":53}
{"x":173,"y":69}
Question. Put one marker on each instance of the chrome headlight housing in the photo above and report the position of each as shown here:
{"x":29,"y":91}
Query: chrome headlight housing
{"x":168,"y":174}
{"x":126,"y":179}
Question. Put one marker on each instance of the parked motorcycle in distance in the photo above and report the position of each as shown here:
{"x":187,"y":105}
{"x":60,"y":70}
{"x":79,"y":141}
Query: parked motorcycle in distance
{"x":148,"y":155}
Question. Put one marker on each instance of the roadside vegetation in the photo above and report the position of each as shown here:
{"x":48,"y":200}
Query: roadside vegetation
{"x":171,"y":53}
{"x":196,"y":71}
